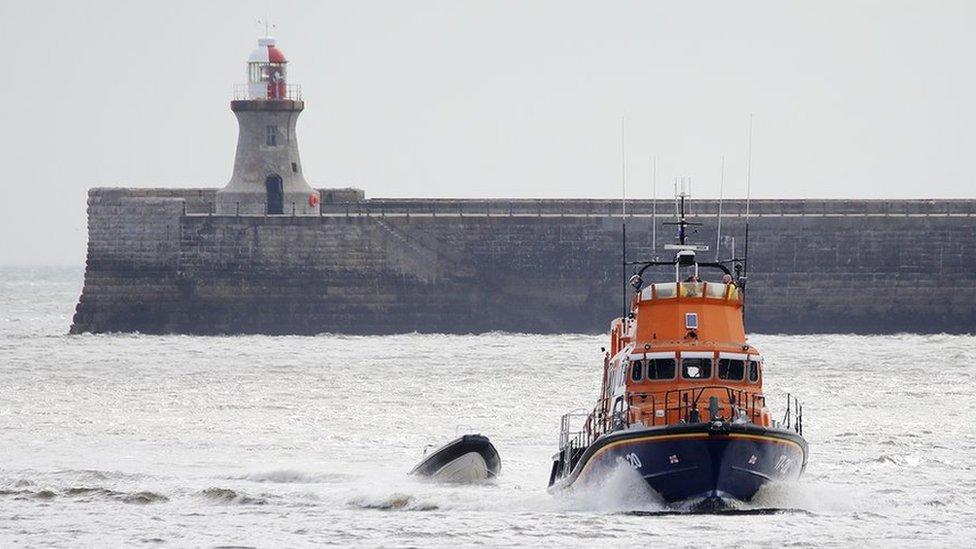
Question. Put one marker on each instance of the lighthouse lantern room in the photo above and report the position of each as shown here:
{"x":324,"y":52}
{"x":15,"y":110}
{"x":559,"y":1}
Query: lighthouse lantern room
{"x":267,"y":177}
{"x":267,"y":71}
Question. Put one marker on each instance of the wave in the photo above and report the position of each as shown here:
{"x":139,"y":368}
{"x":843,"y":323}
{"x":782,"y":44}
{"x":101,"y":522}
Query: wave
{"x":291,"y":476}
{"x":87,"y":493}
{"x":96,"y":475}
{"x":807,"y":496}
{"x":226,"y":495}
{"x":622,"y":491}
{"x":28,"y":494}
{"x":144,"y":498}
{"x":393,"y":502}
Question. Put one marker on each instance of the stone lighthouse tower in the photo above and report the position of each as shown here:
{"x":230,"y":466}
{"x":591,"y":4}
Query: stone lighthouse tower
{"x":267,"y":171}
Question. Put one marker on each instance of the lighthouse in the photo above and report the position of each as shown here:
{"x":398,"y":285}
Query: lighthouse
{"x":267,"y":177}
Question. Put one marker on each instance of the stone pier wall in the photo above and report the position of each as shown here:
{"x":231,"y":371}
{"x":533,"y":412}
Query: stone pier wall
{"x":158,"y":263}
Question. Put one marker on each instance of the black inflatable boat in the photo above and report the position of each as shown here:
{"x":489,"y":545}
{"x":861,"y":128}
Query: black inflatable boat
{"x":470,"y":458}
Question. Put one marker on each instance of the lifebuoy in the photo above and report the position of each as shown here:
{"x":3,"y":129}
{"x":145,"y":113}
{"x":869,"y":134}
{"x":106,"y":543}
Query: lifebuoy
{"x":313,"y":199}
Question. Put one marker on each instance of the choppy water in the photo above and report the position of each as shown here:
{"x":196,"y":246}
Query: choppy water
{"x":288,"y":441}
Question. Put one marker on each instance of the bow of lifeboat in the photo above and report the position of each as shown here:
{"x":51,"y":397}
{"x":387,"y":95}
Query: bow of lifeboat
{"x":682,"y":403}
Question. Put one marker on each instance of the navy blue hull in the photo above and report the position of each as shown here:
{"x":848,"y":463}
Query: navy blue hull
{"x":698,"y":464}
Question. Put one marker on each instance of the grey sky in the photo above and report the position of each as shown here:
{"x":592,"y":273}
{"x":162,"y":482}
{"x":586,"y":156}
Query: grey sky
{"x":487,"y":99}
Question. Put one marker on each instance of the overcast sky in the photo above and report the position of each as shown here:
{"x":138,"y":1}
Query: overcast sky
{"x":487,"y":99}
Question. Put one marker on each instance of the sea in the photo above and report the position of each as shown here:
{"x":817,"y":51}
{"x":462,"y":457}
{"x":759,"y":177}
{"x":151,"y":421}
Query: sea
{"x":256,"y":441}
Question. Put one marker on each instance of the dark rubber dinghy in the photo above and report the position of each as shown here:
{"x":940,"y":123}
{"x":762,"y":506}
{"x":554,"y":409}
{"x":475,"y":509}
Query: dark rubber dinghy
{"x":470,"y":458}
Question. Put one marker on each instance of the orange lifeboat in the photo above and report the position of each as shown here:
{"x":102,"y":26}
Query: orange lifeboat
{"x":682,"y":399}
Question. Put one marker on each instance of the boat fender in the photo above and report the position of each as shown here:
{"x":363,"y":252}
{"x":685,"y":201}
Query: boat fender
{"x":313,"y":199}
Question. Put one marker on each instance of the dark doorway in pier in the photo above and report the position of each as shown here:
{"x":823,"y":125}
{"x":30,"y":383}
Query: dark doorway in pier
{"x":276,"y":195}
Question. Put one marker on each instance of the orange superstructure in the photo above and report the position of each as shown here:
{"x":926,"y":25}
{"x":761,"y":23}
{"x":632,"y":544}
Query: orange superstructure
{"x":682,"y":344}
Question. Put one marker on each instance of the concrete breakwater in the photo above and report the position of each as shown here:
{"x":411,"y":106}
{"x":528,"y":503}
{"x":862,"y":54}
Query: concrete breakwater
{"x":161,"y":261}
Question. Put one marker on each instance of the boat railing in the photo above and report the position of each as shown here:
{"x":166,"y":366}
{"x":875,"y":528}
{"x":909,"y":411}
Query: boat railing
{"x":568,"y":426}
{"x":793,"y":416}
{"x":576,"y":432}
{"x":579,"y":429}
{"x":706,"y":403}
{"x":687,"y":405}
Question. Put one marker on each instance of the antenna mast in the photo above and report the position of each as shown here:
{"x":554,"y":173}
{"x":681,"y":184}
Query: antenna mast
{"x":653,"y":205}
{"x":623,"y":171}
{"x":682,"y":219}
{"x":745,"y":262}
{"x":749,"y":169}
{"x":677,"y":213}
{"x":623,"y":216}
{"x":721,"y":188}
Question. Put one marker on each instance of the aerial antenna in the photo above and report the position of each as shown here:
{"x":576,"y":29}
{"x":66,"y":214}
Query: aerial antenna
{"x":721,"y":188}
{"x":623,"y":215}
{"x":653,"y":204}
{"x":267,"y":25}
{"x":745,"y":261}
{"x":676,"y":212}
{"x":623,"y":170}
{"x":681,"y":213}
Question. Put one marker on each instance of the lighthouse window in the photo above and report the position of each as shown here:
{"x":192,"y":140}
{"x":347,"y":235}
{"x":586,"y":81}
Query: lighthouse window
{"x":731,"y":369}
{"x":696,"y":368}
{"x":272,"y":136}
{"x":660,"y":368}
{"x":636,"y":370}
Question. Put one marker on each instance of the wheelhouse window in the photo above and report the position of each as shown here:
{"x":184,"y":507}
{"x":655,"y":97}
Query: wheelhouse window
{"x":731,"y":369}
{"x":753,"y":371}
{"x":271,"y":133}
{"x":696,"y":368}
{"x":636,"y":371}
{"x":660,"y":368}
